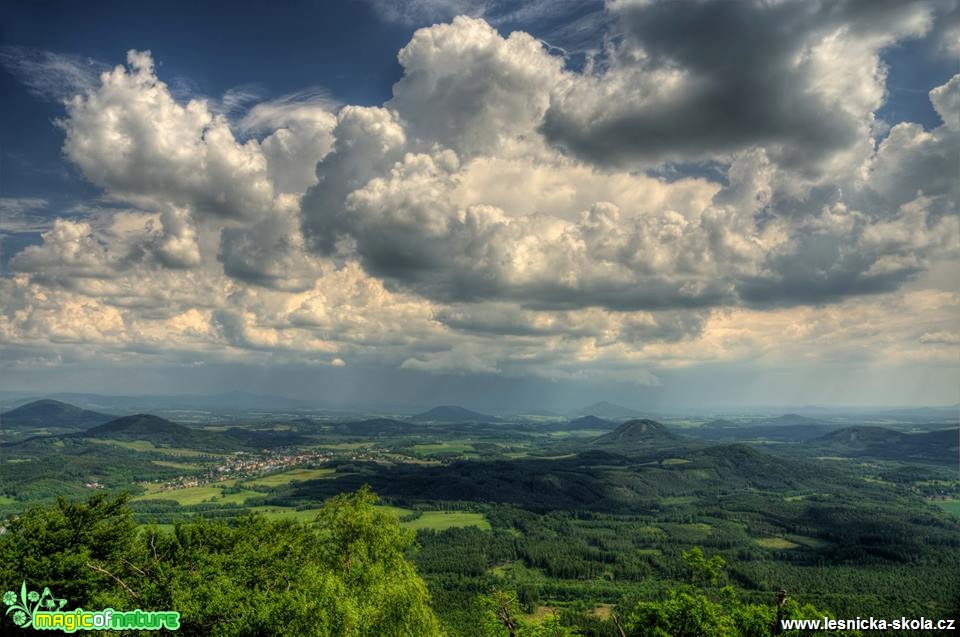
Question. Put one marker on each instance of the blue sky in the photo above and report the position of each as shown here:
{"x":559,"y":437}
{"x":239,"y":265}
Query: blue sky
{"x":204,"y":48}
{"x":489,"y":208}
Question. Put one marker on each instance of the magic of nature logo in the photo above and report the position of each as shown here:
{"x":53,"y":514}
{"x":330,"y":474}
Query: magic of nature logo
{"x":44,"y":611}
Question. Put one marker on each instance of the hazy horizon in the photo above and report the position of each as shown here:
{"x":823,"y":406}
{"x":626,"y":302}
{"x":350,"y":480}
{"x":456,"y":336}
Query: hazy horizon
{"x":254,"y":401}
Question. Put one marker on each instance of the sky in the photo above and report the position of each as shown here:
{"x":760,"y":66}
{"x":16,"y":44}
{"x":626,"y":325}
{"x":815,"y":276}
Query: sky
{"x":503,"y":205}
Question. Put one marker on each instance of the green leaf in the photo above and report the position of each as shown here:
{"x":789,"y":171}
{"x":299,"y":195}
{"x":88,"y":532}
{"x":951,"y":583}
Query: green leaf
{"x":23,"y":592}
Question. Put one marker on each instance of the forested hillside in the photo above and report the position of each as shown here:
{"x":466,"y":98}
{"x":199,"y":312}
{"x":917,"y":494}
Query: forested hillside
{"x":345,"y":573}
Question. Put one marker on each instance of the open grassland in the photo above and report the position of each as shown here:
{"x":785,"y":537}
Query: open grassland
{"x":343,"y":446}
{"x":950,"y":506}
{"x":441,"y":520}
{"x":574,"y":433}
{"x":453,"y":446}
{"x":777,"y":543}
{"x":286,"y":477}
{"x":396,"y":511}
{"x":438,"y":520}
{"x":197,"y":495}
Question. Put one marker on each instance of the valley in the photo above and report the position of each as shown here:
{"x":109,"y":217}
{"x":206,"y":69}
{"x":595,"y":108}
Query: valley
{"x":574,"y":514}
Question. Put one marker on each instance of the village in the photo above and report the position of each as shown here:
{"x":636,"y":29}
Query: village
{"x":243,"y":465}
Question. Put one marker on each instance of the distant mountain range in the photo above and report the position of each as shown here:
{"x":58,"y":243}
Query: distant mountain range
{"x":178,"y":406}
{"x":786,"y":428}
{"x":51,"y":413}
{"x":452,"y":413}
{"x":786,"y":420}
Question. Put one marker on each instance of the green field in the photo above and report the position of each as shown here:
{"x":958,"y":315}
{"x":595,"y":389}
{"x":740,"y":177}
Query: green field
{"x":438,"y":520}
{"x":4,"y":500}
{"x":397,"y":511}
{"x":349,"y":446}
{"x":197,"y":495}
{"x":286,"y":477}
{"x":441,"y":520}
{"x":453,"y":446}
{"x":950,"y":506}
{"x":775,"y":543}
{"x":574,"y":433}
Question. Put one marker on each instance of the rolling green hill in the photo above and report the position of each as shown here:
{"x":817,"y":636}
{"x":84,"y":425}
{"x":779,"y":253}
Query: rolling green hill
{"x":161,"y":431}
{"x":635,"y":432}
{"x":51,"y":413}
{"x":941,"y":446}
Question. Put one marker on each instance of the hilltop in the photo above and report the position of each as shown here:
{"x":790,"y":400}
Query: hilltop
{"x":592,"y":422}
{"x":864,"y":436}
{"x":786,"y":428}
{"x":138,"y":425}
{"x":51,"y":413}
{"x":635,"y":434}
{"x":162,"y":432}
{"x":607,"y":410}
{"x":720,"y":423}
{"x":940,"y":447}
{"x":452,"y":413}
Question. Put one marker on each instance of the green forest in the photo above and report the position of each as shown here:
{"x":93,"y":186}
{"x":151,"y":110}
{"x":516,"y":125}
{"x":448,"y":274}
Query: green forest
{"x":346,"y":573}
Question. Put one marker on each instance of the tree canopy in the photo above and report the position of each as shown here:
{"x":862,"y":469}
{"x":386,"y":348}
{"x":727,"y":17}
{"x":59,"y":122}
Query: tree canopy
{"x":345,"y":574}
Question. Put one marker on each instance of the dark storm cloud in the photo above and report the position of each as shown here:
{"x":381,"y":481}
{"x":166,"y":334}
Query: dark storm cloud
{"x":744,"y":81}
{"x":821,"y":270}
{"x":504,"y":319}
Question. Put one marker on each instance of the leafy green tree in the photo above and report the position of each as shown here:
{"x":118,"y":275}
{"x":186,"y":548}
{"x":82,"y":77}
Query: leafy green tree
{"x":503,"y":617}
{"x":703,"y":571}
{"x":343,"y":575}
{"x":73,"y":547}
{"x":697,"y":611}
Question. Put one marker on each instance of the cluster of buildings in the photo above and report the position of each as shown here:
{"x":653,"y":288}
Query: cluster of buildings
{"x":243,"y":465}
